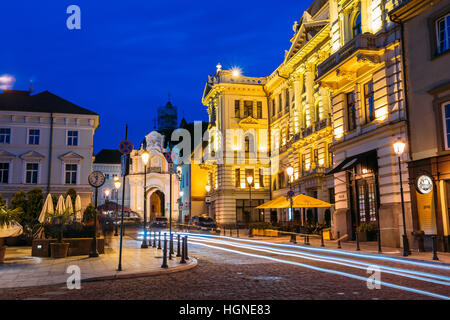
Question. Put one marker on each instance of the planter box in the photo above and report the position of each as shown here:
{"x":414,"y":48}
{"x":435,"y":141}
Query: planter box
{"x":78,"y":246}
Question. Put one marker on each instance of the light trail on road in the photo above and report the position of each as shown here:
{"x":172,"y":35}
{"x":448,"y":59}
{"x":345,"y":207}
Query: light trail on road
{"x":339,"y":261}
{"x":217,"y":242}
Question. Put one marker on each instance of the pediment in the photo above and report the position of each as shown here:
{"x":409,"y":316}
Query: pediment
{"x":71,"y":156}
{"x":6,"y":155}
{"x":32,"y":155}
{"x":249,"y":122}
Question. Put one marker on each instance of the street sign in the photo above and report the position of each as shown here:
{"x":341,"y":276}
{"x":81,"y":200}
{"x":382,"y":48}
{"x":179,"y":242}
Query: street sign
{"x":290,"y":194}
{"x":208,"y":200}
{"x":171,"y":168}
{"x":124,"y":162}
{"x":125,"y":147}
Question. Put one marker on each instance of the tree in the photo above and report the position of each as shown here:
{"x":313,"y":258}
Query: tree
{"x":34,"y":205}
{"x":2,"y":202}
{"x":19,"y":200}
{"x":89,"y":213}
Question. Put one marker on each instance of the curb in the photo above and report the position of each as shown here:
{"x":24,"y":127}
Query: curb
{"x":192,"y":264}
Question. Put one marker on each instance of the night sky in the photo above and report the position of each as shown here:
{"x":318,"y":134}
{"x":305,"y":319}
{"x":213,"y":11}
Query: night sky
{"x":130,"y":54}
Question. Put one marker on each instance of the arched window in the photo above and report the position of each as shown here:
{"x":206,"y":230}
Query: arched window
{"x":356,"y":25}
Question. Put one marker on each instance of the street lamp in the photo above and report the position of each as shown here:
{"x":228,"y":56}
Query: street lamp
{"x":250,"y":183}
{"x":290,"y":173}
{"x":399,"y":148}
{"x":117,"y":187}
{"x":145,"y":157}
{"x":107,"y":192}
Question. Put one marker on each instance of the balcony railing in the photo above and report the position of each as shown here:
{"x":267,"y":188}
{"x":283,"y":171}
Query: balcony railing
{"x":362,"y":41}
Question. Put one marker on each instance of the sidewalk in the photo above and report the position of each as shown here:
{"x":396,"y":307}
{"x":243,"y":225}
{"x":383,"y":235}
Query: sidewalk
{"x":22,"y":270}
{"x":365,"y":247}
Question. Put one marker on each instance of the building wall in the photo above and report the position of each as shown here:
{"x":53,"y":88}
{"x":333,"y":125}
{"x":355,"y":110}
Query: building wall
{"x":20,"y":123}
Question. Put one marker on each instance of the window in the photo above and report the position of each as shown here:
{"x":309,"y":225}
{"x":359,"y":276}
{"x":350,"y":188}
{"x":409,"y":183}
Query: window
{"x":237,"y":109}
{"x":287,"y":99}
{"x":369,"y":101}
{"x":33,"y":136}
{"x":259,"y":110}
{"x":72,"y":138}
{"x":351,"y":111}
{"x":443,"y":33}
{"x":330,"y":156}
{"x":280,"y":180}
{"x":31,"y":173}
{"x":5,"y":135}
{"x":446,"y":119}
{"x":273,"y":107}
{"x":357,"y":25}
{"x":71,"y":173}
{"x":280,"y":102}
{"x":4,"y":172}
{"x":248,"y":108}
{"x":237,"y":177}
{"x":261,"y":178}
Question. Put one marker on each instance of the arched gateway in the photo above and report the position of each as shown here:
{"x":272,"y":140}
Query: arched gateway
{"x":157,"y":189}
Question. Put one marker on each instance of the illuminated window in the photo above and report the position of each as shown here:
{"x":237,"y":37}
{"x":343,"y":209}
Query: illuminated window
{"x":237,"y":109}
{"x":237,"y":177}
{"x":273,"y":107}
{"x":369,"y":101}
{"x":443,"y":34}
{"x":356,"y":26}
{"x":446,"y":119}
{"x":351,"y":111}
{"x":280,"y":102}
{"x":259,"y":110}
{"x":248,"y":109}
{"x":261,"y":178}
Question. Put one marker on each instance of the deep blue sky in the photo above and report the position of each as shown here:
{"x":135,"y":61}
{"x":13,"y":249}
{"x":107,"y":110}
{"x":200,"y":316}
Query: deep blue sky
{"x":129,"y":54}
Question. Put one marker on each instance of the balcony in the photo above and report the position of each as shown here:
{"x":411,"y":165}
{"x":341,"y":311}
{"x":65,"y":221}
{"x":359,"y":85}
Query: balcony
{"x":361,"y":42}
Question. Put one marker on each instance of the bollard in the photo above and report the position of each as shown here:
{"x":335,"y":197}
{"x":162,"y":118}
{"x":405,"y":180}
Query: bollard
{"x":182,"y":253}
{"x":159,"y":240}
{"x":304,"y":240}
{"x":379,"y":241}
{"x":250,"y":233}
{"x":357,"y":241}
{"x":433,"y":247}
{"x":293,"y":238}
{"x":178,"y":246}
{"x":171,"y":246}
{"x":164,"y":263}
{"x":339,"y":240}
{"x":322,"y":243}
{"x":154,"y":239}
{"x":186,"y":256}
{"x":237,"y":232}
{"x":307,"y":240}
{"x":231,"y":231}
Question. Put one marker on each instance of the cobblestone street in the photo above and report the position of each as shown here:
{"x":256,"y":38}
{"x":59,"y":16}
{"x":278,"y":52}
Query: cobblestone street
{"x":222,"y":274}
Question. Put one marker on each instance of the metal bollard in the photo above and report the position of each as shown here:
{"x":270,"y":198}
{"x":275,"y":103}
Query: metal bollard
{"x":186,"y":256}
{"x":154,"y":239}
{"x":339,"y":240}
{"x":357,"y":242}
{"x":307,"y":240}
{"x":433,"y":247}
{"x":182,"y":253}
{"x":293,"y":238}
{"x":379,"y":241}
{"x":178,"y":246}
{"x":159,"y":240}
{"x":171,"y":245}
{"x":237,"y":232}
{"x":164,"y":263}
{"x":322,"y":243}
{"x":250,"y":233}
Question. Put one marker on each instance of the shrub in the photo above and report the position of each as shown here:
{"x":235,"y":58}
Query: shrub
{"x":89,"y":213}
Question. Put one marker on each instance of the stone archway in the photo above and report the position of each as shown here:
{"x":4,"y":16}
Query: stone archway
{"x":156,"y":204}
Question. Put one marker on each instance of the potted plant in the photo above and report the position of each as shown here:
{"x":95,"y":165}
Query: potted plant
{"x":8,"y":217}
{"x":59,"y":249}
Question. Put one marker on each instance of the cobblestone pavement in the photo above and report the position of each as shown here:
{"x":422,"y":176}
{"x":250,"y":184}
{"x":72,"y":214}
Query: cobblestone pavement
{"x":247,"y":273}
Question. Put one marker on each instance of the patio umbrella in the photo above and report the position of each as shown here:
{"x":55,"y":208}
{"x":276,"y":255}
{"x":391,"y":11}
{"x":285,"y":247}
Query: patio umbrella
{"x":47,"y":209}
{"x":78,"y":215}
{"x":60,"y":206}
{"x":304,"y":201}
{"x":69,"y":205}
{"x":273,"y":204}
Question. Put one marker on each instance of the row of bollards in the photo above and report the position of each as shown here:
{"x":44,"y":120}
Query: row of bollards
{"x":182,"y":249}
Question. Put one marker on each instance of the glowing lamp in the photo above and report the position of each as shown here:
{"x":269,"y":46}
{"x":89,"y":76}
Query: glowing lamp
{"x":250,"y":180}
{"x":290,"y":171}
{"x":208,"y":188}
{"x":181,"y":193}
{"x":145,"y":157}
{"x":399,"y":147}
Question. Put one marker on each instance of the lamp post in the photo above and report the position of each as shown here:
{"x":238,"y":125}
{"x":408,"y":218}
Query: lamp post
{"x":399,"y":148}
{"x":145,"y":157}
{"x":250,"y":183}
{"x":117,"y":187}
{"x":181,"y":194}
{"x":208,"y":189}
{"x":290,"y":173}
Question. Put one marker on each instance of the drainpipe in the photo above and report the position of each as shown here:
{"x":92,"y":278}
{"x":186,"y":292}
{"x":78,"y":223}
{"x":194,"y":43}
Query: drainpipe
{"x":50,"y":152}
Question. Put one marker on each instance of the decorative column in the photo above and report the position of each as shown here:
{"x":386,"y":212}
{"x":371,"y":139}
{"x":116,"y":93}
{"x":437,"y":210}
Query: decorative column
{"x":310,"y":92}
{"x":298,"y":86}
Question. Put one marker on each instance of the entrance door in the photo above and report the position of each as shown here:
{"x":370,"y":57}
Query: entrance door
{"x":366,"y":200}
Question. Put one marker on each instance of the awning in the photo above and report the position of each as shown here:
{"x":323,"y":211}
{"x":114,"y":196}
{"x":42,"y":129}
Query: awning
{"x":298,"y":201}
{"x":369,"y":157}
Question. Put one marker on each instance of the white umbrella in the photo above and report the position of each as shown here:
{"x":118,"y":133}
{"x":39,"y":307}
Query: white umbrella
{"x":78,"y":208}
{"x":69,"y":205}
{"x":47,"y":209}
{"x":60,"y":207}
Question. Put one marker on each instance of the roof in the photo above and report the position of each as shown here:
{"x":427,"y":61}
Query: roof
{"x":18,"y":100}
{"x":108,"y":156}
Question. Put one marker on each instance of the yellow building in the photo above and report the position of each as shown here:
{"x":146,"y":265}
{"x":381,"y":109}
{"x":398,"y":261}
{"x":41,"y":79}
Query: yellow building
{"x":261,"y":126}
{"x":364,"y":75}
